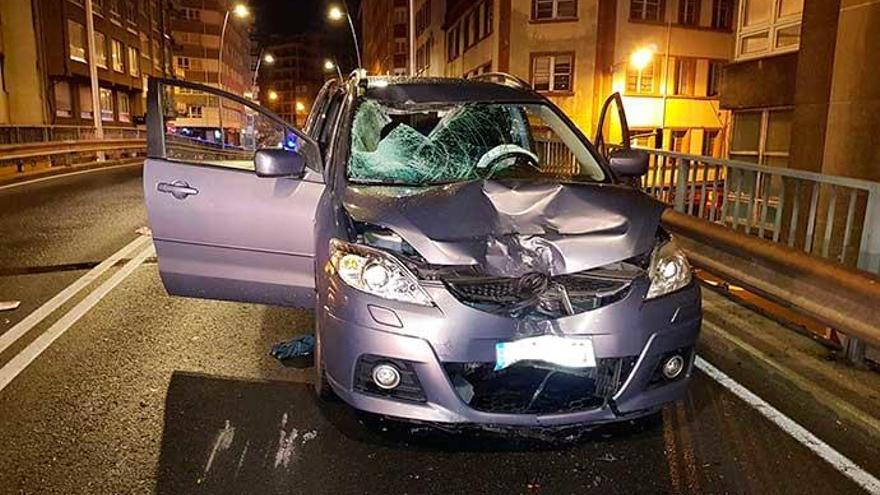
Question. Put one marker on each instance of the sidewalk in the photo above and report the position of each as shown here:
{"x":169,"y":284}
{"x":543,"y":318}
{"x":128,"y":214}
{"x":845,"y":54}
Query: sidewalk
{"x":797,"y":375}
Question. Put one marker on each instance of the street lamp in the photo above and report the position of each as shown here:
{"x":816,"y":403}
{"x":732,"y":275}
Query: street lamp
{"x":241,"y":11}
{"x":300,"y":107}
{"x":273,"y":95}
{"x":269,"y":59}
{"x":336,"y":14}
{"x":642,"y":57}
{"x":329,"y":66}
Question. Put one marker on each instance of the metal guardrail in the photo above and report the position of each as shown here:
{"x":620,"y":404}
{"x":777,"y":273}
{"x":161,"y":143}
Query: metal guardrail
{"x":20,"y":134}
{"x":836,"y":218}
{"x":31,"y":151}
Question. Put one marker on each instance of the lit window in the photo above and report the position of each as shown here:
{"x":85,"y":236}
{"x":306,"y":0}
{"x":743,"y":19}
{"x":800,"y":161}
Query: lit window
{"x":713,"y":80}
{"x":722,"y":14}
{"x":76,"y":41}
{"x":106,"y":97}
{"x":133,"y":62}
{"x":63,"y":100}
{"x":552,"y":72}
{"x":100,"y":50}
{"x":124,"y":107}
{"x":768,"y":26}
{"x":646,"y":10}
{"x":640,"y":81}
{"x":685,"y":76}
{"x":554,"y":9}
{"x":116,"y":55}
{"x":194,"y":111}
{"x":183,"y":63}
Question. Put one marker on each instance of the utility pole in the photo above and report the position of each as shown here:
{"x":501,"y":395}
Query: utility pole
{"x":412,"y":38}
{"x":93,"y":75}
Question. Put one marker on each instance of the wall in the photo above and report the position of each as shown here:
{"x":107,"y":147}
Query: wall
{"x":22,"y":94}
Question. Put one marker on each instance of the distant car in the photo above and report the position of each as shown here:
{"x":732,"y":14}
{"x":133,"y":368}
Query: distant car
{"x":471,"y":257}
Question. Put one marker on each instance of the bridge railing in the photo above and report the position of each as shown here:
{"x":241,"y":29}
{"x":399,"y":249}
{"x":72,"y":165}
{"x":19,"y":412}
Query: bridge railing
{"x":21,"y":134}
{"x":836,"y":218}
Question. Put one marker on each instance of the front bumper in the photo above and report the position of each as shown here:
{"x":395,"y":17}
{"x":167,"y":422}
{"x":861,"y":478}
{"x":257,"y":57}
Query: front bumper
{"x":429,"y":338}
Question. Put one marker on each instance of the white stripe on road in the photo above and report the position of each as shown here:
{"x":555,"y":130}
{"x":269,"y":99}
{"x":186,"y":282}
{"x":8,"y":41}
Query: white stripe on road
{"x":33,"y":319}
{"x":71,"y":174}
{"x":17,"y":364}
{"x":837,"y":460}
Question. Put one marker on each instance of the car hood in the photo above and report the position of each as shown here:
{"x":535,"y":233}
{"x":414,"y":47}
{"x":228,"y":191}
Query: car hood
{"x":511,"y":227}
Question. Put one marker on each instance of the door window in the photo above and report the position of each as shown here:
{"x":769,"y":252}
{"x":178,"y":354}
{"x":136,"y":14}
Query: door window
{"x":212,"y":129}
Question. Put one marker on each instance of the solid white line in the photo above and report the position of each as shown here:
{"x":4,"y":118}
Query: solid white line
{"x":17,"y":364}
{"x":837,"y":460}
{"x":71,"y":174}
{"x":33,"y":319}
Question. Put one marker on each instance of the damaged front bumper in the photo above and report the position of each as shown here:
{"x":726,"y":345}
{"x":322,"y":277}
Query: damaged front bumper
{"x":445,"y":355}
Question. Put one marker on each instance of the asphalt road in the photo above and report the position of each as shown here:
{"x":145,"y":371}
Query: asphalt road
{"x":152,"y":394}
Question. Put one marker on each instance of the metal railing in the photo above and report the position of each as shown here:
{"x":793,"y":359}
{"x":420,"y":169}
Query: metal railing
{"x":836,"y":218}
{"x":20,"y":134}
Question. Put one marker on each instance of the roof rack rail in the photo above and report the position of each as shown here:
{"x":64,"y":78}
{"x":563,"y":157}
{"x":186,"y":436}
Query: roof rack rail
{"x":502,"y":78}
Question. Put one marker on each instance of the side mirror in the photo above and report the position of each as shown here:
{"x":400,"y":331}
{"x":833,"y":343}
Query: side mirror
{"x":628,"y":162}
{"x":279,"y":162}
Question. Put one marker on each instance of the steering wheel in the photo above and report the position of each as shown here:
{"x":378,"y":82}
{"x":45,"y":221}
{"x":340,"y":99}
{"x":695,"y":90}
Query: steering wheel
{"x":491,"y":158}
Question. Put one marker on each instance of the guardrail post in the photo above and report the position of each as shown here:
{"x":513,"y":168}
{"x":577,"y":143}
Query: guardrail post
{"x":681,"y":184}
{"x":854,"y":351}
{"x":869,"y":250}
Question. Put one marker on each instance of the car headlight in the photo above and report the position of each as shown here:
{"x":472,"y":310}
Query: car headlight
{"x":669,"y":270}
{"x":376,"y":272}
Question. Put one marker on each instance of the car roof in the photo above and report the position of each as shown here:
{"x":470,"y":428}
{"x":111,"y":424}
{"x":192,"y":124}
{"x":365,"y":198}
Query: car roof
{"x":445,"y":90}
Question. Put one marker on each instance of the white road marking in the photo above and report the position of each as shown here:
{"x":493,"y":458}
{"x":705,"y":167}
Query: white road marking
{"x":17,"y":364}
{"x":33,"y":319}
{"x":71,"y":174}
{"x":837,"y":460}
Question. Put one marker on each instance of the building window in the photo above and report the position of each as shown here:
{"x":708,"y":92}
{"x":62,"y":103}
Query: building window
{"x":157,"y":64}
{"x":553,"y":72}
{"x":85,"y":102}
{"x":641,"y":81}
{"x":711,"y":142}
{"x":647,"y":10}
{"x":100,"y":50}
{"x":452,"y":43}
{"x":133,"y":62}
{"x":766,"y":27}
{"x":689,"y":12}
{"x":488,"y":19}
{"x":554,"y":9}
{"x":183,"y":63}
{"x":680,"y":142}
{"x":116,"y":55}
{"x":685,"y":76}
{"x":722,"y":14}
{"x":106,"y":97}
{"x":194,"y":111}
{"x":191,"y":14}
{"x":124,"y":107}
{"x":63,"y":100}
{"x":762,"y":136}
{"x":113,"y":9}
{"x":131,"y":12}
{"x":713,"y":79}
{"x":467,"y":31}
{"x":76,"y":41}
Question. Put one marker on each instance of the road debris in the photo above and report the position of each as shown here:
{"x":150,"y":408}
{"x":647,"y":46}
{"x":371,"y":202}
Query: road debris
{"x":9,"y":305}
{"x":300,"y":346}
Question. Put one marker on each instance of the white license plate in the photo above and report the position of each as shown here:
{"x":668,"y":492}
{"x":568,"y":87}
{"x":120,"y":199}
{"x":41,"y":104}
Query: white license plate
{"x":563,"y":351}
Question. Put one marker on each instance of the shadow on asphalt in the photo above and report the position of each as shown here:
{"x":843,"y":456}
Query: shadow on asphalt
{"x":225,"y":435}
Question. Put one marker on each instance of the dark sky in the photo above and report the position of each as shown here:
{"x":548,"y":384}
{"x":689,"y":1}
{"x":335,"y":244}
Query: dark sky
{"x":280,"y":18}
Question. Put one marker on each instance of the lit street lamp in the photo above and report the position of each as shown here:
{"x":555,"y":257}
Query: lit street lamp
{"x":268,"y":59}
{"x":336,"y":14}
{"x":241,"y":11}
{"x":642,"y":57}
{"x":273,"y":95}
{"x":300,"y":107}
{"x":329,"y":65}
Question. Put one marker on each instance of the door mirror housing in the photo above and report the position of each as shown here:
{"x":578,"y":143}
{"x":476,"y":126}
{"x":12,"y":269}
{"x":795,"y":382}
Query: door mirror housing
{"x":278,"y":163}
{"x":628,"y":162}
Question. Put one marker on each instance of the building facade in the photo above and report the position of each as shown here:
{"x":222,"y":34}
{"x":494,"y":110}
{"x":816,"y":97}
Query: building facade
{"x":385,"y":27}
{"x":197,"y":28}
{"x":291,"y":82}
{"x":131,"y":44}
{"x":578,"y":52}
{"x":22,"y":92}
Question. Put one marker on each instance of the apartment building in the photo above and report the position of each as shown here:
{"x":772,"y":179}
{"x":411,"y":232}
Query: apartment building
{"x":430,"y":19}
{"x":385,"y":26}
{"x":291,"y":82}
{"x":802,"y":87}
{"x":130,"y":45}
{"x":197,"y":28}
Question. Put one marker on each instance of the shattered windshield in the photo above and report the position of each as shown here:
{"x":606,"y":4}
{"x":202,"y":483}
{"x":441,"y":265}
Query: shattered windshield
{"x":437,"y":144}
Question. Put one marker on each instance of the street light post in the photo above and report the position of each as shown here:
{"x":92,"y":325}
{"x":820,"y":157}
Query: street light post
{"x":240,"y":11}
{"x":270,"y":59}
{"x":335,"y":14}
{"x":93,"y":75}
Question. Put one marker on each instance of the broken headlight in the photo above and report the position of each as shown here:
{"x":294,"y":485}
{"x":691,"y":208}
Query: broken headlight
{"x":376,"y":272}
{"x":669,"y":270}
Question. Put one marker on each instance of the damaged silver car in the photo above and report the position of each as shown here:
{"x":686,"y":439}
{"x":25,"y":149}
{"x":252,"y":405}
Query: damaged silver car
{"x":471,"y":257}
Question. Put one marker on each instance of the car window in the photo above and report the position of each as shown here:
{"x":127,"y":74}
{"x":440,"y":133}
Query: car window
{"x":431,"y":144}
{"x":193,"y":122}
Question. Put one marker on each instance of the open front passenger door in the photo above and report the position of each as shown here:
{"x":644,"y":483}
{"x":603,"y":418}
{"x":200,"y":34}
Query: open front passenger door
{"x":231,"y":191}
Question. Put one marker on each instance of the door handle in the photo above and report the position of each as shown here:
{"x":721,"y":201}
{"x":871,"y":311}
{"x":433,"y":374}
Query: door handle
{"x":179,"y":189}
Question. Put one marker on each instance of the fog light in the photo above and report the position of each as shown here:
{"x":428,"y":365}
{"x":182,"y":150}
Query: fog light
{"x":673,"y":367}
{"x":386,"y":376}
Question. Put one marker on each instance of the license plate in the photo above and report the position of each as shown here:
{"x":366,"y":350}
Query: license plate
{"x":568,"y":352}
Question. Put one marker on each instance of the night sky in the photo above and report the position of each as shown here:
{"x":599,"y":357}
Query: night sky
{"x":276,"y":19}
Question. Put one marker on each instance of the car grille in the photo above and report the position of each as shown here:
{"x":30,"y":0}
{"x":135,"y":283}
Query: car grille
{"x":528,"y":388}
{"x":540,"y":296}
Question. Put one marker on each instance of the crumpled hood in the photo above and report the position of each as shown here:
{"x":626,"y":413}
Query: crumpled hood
{"x":512,"y":227}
